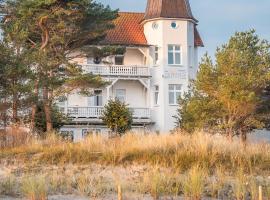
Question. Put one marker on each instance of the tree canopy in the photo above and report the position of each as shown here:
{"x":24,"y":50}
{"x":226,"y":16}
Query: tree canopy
{"x":230,"y":95}
{"x":54,"y":33}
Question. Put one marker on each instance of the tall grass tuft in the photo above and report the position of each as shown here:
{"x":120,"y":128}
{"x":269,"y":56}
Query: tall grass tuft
{"x":240,"y":188}
{"x":8,"y":185}
{"x":35,"y":188}
{"x":193,"y":184}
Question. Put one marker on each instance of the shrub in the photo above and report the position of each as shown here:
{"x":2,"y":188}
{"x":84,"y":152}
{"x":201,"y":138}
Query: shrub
{"x":117,"y":117}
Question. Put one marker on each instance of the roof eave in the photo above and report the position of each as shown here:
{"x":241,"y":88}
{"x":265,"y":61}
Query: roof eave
{"x":195,"y":21}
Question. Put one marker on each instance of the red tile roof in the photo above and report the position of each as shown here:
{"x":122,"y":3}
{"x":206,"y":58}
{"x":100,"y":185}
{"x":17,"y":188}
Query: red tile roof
{"x":129,"y":31}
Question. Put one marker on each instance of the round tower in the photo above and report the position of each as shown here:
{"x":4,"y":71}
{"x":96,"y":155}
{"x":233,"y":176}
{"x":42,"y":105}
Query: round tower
{"x":170,"y":28}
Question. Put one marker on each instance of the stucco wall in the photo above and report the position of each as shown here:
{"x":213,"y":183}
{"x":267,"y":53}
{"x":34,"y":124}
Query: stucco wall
{"x":165,"y":74}
{"x":136,"y":95}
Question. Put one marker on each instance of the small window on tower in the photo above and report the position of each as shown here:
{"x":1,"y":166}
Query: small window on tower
{"x":174,"y":25}
{"x":155,"y":25}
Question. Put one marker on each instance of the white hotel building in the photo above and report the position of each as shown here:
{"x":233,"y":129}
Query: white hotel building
{"x":160,"y":60}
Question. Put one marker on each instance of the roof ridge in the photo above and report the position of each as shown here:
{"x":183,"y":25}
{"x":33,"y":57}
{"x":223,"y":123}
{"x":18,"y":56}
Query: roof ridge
{"x":131,"y":12}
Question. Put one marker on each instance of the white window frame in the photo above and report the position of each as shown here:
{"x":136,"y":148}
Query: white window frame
{"x":156,"y":95}
{"x":174,"y":52}
{"x":117,"y":96}
{"x":174,"y":91}
{"x":95,"y":98}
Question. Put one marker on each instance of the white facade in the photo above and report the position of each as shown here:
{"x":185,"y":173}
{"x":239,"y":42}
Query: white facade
{"x":150,"y":80}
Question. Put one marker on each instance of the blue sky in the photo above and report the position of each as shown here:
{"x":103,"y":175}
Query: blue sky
{"x":218,"y":19}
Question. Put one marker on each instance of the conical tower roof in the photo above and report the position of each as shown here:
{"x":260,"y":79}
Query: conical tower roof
{"x":168,"y":9}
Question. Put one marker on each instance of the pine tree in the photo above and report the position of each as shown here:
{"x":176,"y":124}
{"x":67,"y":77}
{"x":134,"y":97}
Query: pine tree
{"x":229,"y":96}
{"x":15,"y":84}
{"x":57,"y":31}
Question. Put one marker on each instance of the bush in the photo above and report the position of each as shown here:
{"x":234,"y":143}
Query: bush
{"x":117,"y":117}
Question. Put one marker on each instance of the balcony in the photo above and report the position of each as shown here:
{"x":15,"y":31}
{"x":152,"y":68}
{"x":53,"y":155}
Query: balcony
{"x":96,"y":112}
{"x":118,"y":70}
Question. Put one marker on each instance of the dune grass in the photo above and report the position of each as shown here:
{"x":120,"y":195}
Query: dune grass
{"x":178,"y":151}
{"x":177,"y":164}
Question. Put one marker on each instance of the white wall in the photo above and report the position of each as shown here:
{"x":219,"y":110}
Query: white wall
{"x":133,"y":57}
{"x":163,"y":74}
{"x":136,"y":95}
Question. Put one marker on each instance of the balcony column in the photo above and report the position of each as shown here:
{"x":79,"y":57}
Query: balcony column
{"x":108,"y":93}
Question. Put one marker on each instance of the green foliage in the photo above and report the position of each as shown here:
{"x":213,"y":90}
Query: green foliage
{"x":58,"y":119}
{"x":229,"y":96}
{"x":15,"y":80}
{"x":117,"y":117}
{"x":54,"y":33}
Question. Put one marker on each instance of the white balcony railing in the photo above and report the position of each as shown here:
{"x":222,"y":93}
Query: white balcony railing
{"x":96,"y":112}
{"x":117,"y":70}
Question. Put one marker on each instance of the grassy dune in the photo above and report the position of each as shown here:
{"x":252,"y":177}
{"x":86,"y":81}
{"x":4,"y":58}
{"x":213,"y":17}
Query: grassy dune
{"x":188,"y":165}
{"x":178,"y":151}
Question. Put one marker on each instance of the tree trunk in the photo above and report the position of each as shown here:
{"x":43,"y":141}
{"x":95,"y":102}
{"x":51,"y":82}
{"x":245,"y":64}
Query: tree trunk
{"x":47,"y":109}
{"x":229,"y":134}
{"x":34,"y":107}
{"x":243,"y":136}
{"x":15,"y":108}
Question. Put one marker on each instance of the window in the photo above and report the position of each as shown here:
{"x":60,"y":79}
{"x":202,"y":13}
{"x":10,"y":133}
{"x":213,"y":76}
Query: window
{"x":120,"y":94}
{"x":62,"y":101}
{"x":119,"y":59}
{"x":96,"y":100}
{"x":155,"y":25}
{"x":156,"y":95}
{"x":174,"y":55}
{"x":67,"y":135}
{"x":174,"y":25}
{"x":90,"y":60}
{"x":174,"y":93}
{"x":156,"y":56}
{"x":86,"y":133}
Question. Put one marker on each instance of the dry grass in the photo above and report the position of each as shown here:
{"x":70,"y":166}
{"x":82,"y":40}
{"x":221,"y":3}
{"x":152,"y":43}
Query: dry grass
{"x":194,"y":182}
{"x":198,"y":165}
{"x":35,"y":188}
{"x":14,"y":136}
{"x":177,"y":151}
